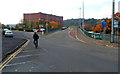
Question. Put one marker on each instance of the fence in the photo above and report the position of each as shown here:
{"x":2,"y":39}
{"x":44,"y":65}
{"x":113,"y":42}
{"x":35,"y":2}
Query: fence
{"x":99,"y":36}
{"x":51,"y":30}
{"x":92,"y":35}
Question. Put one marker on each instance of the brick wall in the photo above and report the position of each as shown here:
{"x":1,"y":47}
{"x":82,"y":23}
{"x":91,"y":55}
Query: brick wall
{"x":32,"y":17}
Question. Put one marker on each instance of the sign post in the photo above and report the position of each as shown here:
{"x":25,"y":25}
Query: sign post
{"x":116,"y":28}
{"x":104,"y":29}
{"x":112,"y":26}
{"x":104,"y":26}
{"x":115,"y":23}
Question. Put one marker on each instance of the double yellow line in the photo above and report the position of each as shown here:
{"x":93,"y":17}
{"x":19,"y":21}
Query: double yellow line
{"x":12,"y":56}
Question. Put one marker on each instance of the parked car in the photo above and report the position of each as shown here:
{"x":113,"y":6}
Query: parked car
{"x":63,"y":28}
{"x":8,"y":33}
{"x":34,"y":30}
{"x":40,"y":30}
{"x":3,"y":31}
{"x":6,"y":29}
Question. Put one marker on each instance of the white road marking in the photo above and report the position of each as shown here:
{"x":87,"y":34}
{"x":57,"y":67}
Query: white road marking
{"x":80,"y":39}
{"x":70,"y":35}
{"x":45,"y":50}
{"x":52,"y":66}
{"x":18,"y":63}
{"x":23,"y":56}
{"x":28,"y":56}
{"x":31,"y":51}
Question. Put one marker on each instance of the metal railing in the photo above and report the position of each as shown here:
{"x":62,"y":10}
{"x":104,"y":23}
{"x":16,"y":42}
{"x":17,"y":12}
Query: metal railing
{"x":92,"y":34}
{"x":51,"y":30}
{"x":99,"y":36}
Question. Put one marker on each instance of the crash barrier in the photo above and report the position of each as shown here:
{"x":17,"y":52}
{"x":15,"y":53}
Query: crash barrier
{"x":99,"y":36}
{"x":92,"y":34}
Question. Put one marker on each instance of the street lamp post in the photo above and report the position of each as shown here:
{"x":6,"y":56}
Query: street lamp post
{"x":80,"y":19}
{"x":47,"y":25}
{"x":112,"y":30}
{"x":83,"y":16}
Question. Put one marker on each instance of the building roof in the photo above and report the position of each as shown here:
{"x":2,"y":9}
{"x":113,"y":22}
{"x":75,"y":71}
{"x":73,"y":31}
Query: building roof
{"x":42,"y":13}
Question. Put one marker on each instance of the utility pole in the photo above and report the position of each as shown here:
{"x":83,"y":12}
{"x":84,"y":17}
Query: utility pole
{"x":80,"y":19}
{"x":83,"y":16}
{"x":47,"y":25}
{"x":112,"y":30}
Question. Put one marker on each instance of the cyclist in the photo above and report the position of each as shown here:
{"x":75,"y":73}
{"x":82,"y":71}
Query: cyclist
{"x":36,"y":37}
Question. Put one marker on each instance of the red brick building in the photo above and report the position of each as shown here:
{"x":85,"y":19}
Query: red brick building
{"x":33,"y":17}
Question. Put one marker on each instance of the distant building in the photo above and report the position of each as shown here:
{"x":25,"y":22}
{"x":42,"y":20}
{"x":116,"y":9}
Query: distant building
{"x":33,"y":17}
{"x":119,"y":6}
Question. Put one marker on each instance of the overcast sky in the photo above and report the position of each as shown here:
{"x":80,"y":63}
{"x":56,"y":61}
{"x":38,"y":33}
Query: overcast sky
{"x":11,"y":11}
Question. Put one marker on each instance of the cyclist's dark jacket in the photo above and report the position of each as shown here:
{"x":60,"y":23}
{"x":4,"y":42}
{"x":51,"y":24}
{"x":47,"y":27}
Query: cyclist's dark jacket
{"x":35,"y":36}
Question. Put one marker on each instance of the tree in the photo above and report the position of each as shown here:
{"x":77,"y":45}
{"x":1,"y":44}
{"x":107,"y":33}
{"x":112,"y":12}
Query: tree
{"x":16,"y":27}
{"x":3,"y":26}
{"x":88,"y":27}
{"x":97,"y":28}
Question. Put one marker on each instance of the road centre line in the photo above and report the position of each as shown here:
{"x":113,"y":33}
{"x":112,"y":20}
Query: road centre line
{"x":11,"y":57}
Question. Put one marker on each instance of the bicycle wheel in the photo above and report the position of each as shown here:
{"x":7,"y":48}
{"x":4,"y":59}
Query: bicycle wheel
{"x":36,"y":45}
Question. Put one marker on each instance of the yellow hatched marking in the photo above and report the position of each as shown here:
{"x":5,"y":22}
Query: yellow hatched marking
{"x":12,"y":56}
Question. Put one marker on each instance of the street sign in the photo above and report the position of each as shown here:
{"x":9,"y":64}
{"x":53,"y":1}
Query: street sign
{"x":80,"y":25}
{"x":115,"y":23}
{"x":103,"y":24}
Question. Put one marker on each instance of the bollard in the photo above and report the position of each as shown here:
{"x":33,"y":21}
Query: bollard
{"x":42,"y":33}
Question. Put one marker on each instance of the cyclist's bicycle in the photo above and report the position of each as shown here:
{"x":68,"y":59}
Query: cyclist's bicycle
{"x":36,"y":43}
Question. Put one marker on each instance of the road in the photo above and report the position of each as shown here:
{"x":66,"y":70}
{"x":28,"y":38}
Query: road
{"x":9,"y":44}
{"x":59,"y":52}
{"x":0,"y":45}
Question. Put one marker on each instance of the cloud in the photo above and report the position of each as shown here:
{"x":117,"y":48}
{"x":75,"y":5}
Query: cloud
{"x":95,"y":2}
{"x":12,"y":10}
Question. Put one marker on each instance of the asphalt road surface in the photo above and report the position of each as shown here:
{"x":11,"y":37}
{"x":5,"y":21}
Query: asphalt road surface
{"x":9,"y":44}
{"x":0,"y":45}
{"x":58,"y":52}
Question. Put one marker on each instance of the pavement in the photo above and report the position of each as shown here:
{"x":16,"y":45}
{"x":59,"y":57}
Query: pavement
{"x":0,"y":45}
{"x":79,"y":35}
